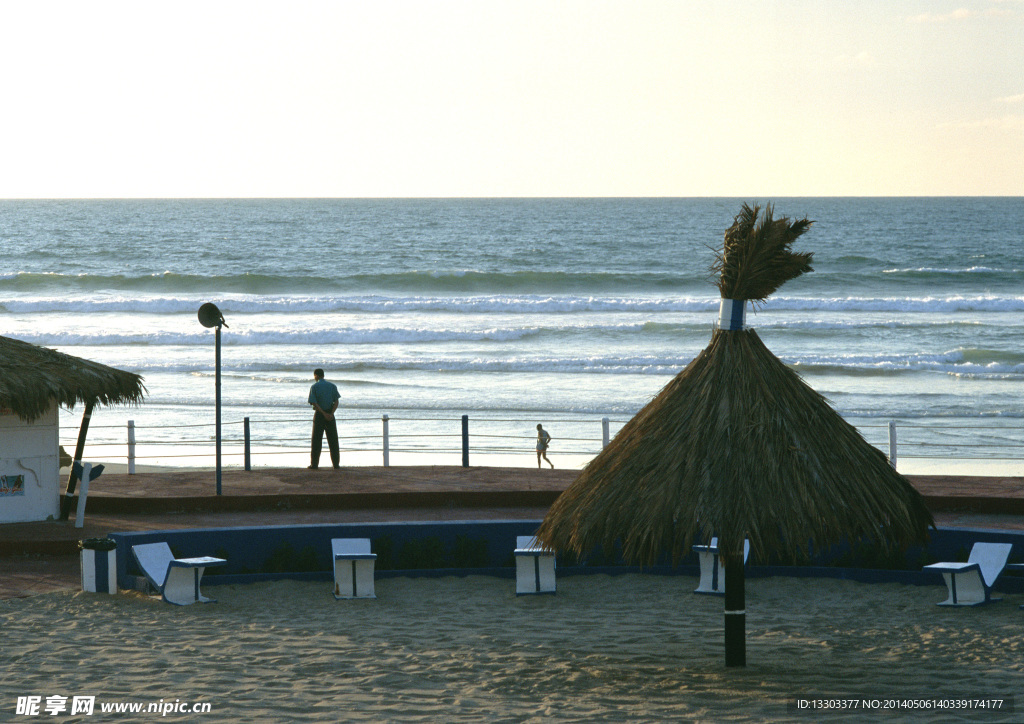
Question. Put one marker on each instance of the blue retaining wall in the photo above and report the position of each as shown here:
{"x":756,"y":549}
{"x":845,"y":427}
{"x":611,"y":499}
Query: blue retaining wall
{"x":247,"y":549}
{"x":489,"y":544}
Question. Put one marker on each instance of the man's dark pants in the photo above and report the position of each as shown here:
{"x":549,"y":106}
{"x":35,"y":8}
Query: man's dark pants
{"x":321,"y":425}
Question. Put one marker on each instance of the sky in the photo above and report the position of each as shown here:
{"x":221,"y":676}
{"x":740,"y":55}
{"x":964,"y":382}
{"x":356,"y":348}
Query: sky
{"x":476,"y":98}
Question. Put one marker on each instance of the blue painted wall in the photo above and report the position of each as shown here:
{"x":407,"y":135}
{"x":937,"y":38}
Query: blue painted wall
{"x":487,"y":544}
{"x":304,"y":551}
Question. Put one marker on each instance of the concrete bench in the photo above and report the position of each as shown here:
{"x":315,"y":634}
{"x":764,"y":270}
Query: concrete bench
{"x":353,"y":568}
{"x":176,"y":579}
{"x":99,"y":565}
{"x":535,"y":567}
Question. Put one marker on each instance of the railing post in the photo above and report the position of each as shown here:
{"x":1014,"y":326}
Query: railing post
{"x":131,"y":447}
{"x":605,"y":438}
{"x":248,"y":447}
{"x":892,"y":443}
{"x":465,"y":441}
{"x":387,"y":461}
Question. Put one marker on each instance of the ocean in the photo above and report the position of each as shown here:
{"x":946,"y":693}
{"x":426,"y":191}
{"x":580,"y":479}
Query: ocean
{"x":512,"y":312}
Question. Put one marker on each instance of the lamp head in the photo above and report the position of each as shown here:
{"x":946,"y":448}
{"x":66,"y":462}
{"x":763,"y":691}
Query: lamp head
{"x":210,"y":316}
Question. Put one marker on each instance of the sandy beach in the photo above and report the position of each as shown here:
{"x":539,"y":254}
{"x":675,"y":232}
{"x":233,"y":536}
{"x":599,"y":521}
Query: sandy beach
{"x":625,"y":648}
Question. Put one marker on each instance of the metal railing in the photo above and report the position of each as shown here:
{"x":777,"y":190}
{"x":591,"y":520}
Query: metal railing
{"x":278,"y":437}
{"x":238,"y":435}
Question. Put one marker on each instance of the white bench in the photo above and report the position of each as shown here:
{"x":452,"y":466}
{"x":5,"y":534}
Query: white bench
{"x":176,"y":579}
{"x":970,"y":583}
{"x":535,"y":567}
{"x":353,"y":568}
{"x":712,"y":571}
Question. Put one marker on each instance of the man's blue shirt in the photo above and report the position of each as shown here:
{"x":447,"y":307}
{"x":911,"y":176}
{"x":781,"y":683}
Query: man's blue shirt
{"x":324,"y":393}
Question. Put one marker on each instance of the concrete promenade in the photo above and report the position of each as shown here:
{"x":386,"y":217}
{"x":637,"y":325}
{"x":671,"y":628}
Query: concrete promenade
{"x":43,"y":556}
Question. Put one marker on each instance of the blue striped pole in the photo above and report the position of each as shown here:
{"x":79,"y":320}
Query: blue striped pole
{"x":732,"y":314}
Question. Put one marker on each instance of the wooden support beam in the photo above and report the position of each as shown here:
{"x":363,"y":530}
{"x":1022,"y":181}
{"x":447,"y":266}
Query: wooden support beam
{"x":65,"y":506}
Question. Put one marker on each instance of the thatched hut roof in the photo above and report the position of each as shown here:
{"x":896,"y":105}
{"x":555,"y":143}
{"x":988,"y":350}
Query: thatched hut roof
{"x":737,"y":445}
{"x":33,"y":378}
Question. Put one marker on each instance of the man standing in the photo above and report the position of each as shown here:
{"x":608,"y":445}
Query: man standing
{"x":323,"y":396}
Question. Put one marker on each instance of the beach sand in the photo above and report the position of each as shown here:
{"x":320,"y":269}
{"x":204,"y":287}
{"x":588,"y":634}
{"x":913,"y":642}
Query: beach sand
{"x":624,"y":648}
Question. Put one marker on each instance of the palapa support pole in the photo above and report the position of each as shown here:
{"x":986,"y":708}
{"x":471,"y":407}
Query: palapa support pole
{"x":465,"y":441}
{"x":732,"y":317}
{"x":65,"y":506}
{"x":735,"y":608}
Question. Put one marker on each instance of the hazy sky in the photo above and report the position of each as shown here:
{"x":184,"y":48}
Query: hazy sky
{"x":479,"y":98}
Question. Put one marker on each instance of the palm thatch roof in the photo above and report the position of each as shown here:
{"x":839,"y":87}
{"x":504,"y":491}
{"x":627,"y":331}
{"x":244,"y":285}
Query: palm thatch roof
{"x":756,"y":257}
{"x":34,"y":378}
{"x":737,"y":446}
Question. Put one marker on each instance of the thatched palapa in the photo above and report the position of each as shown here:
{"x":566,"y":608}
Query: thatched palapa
{"x":737,"y":446}
{"x":34,"y":378}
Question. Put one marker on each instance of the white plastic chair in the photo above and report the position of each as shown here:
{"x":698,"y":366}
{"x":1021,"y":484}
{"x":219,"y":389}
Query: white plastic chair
{"x":176,"y":579}
{"x":970,"y":583}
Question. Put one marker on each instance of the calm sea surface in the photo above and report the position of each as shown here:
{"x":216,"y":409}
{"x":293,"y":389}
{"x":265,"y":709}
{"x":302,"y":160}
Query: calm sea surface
{"x":513,"y":312}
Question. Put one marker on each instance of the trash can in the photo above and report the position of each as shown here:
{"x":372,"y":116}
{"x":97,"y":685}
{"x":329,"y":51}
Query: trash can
{"x":99,"y":565}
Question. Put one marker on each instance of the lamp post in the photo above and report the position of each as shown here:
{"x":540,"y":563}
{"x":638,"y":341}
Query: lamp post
{"x":210,"y":316}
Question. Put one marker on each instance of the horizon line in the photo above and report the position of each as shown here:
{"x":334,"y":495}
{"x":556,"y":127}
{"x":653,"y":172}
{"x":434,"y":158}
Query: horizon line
{"x":507,"y":198}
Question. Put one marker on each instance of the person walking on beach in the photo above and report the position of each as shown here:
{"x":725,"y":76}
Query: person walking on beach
{"x":324,"y":396}
{"x":543,"y":439}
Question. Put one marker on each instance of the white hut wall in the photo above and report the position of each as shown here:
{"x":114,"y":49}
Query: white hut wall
{"x":29,"y":467}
